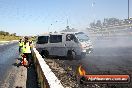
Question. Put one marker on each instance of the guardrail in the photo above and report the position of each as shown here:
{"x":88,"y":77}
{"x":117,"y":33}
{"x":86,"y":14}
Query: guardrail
{"x":46,"y":78}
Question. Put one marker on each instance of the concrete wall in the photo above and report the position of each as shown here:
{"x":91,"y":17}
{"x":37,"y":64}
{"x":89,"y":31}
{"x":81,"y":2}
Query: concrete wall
{"x":46,"y":78}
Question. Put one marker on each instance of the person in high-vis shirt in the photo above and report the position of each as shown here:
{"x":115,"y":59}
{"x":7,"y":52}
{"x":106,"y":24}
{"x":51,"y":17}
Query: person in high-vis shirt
{"x":26,"y":49}
{"x":20,"y":45}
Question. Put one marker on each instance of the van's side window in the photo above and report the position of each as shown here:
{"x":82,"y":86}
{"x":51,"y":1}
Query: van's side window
{"x":55,"y":38}
{"x":69,"y":37}
{"x":42,"y":39}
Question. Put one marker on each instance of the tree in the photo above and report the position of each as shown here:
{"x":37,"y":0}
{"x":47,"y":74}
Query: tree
{"x":99,"y":24}
{"x":92,"y":25}
{"x":7,"y":33}
{"x":14,"y":34}
{"x":2,"y":32}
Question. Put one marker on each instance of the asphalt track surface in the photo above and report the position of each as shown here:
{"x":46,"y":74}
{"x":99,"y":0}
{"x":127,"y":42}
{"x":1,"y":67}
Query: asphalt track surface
{"x":8,"y":55}
{"x":9,"y":72}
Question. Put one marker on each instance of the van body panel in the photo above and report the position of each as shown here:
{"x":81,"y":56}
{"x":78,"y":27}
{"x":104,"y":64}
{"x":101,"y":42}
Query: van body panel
{"x":58,"y":44}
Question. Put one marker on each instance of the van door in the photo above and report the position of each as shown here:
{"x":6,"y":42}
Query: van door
{"x":57,"y":46}
{"x":72,"y":43}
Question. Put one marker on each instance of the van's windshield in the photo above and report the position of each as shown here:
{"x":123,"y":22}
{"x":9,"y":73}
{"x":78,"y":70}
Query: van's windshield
{"x":82,"y":37}
{"x":42,"y":39}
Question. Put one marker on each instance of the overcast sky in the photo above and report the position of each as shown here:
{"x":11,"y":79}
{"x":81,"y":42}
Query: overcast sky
{"x":29,"y":17}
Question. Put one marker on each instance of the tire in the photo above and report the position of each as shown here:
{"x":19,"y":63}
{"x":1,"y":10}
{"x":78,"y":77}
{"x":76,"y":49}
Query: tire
{"x":70,"y":55}
{"x":44,"y":53}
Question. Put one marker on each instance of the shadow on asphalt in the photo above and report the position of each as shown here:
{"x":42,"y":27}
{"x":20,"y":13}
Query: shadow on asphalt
{"x":31,"y":81}
{"x":31,"y":78}
{"x":18,"y":62}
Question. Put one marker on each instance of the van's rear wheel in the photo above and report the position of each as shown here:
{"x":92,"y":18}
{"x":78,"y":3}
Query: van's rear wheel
{"x":44,"y":53}
{"x":70,"y":55}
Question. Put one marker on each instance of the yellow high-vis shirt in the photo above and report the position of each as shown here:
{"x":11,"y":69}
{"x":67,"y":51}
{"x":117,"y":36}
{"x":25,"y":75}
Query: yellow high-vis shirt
{"x":20,"y":43}
{"x":26,"y":48}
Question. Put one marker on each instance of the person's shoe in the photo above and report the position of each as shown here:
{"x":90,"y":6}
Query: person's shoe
{"x":18,"y":64}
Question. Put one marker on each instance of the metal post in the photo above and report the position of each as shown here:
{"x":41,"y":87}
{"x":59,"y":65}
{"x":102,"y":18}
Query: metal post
{"x":128,"y":9}
{"x":67,"y":22}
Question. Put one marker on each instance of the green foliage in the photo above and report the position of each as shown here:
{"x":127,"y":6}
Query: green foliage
{"x":4,"y":33}
{"x":6,"y":36}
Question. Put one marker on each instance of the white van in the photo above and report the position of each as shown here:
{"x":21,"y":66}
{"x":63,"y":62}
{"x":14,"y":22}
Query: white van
{"x":64,"y":44}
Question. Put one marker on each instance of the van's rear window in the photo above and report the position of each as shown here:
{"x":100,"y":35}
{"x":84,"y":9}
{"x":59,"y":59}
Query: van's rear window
{"x":42,"y":39}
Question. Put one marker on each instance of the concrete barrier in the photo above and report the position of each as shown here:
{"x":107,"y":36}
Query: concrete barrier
{"x":46,"y":78}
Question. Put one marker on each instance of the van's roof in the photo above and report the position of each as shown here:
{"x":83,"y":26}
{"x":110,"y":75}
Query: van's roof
{"x":58,"y":33}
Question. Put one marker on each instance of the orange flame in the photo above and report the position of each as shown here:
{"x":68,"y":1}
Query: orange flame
{"x":82,"y":72}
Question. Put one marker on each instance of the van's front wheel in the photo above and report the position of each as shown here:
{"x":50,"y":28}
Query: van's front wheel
{"x":70,"y":54}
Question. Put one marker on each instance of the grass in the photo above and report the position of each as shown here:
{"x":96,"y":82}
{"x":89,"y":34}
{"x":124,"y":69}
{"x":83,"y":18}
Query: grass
{"x":8,"y":38}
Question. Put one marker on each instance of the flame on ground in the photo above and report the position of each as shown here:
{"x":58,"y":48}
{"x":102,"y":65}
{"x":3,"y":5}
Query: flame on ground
{"x":82,"y":72}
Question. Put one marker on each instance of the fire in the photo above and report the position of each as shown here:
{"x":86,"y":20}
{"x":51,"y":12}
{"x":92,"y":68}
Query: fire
{"x":82,"y":72}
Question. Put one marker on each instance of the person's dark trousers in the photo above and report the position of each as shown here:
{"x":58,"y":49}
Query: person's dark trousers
{"x":20,"y":49}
